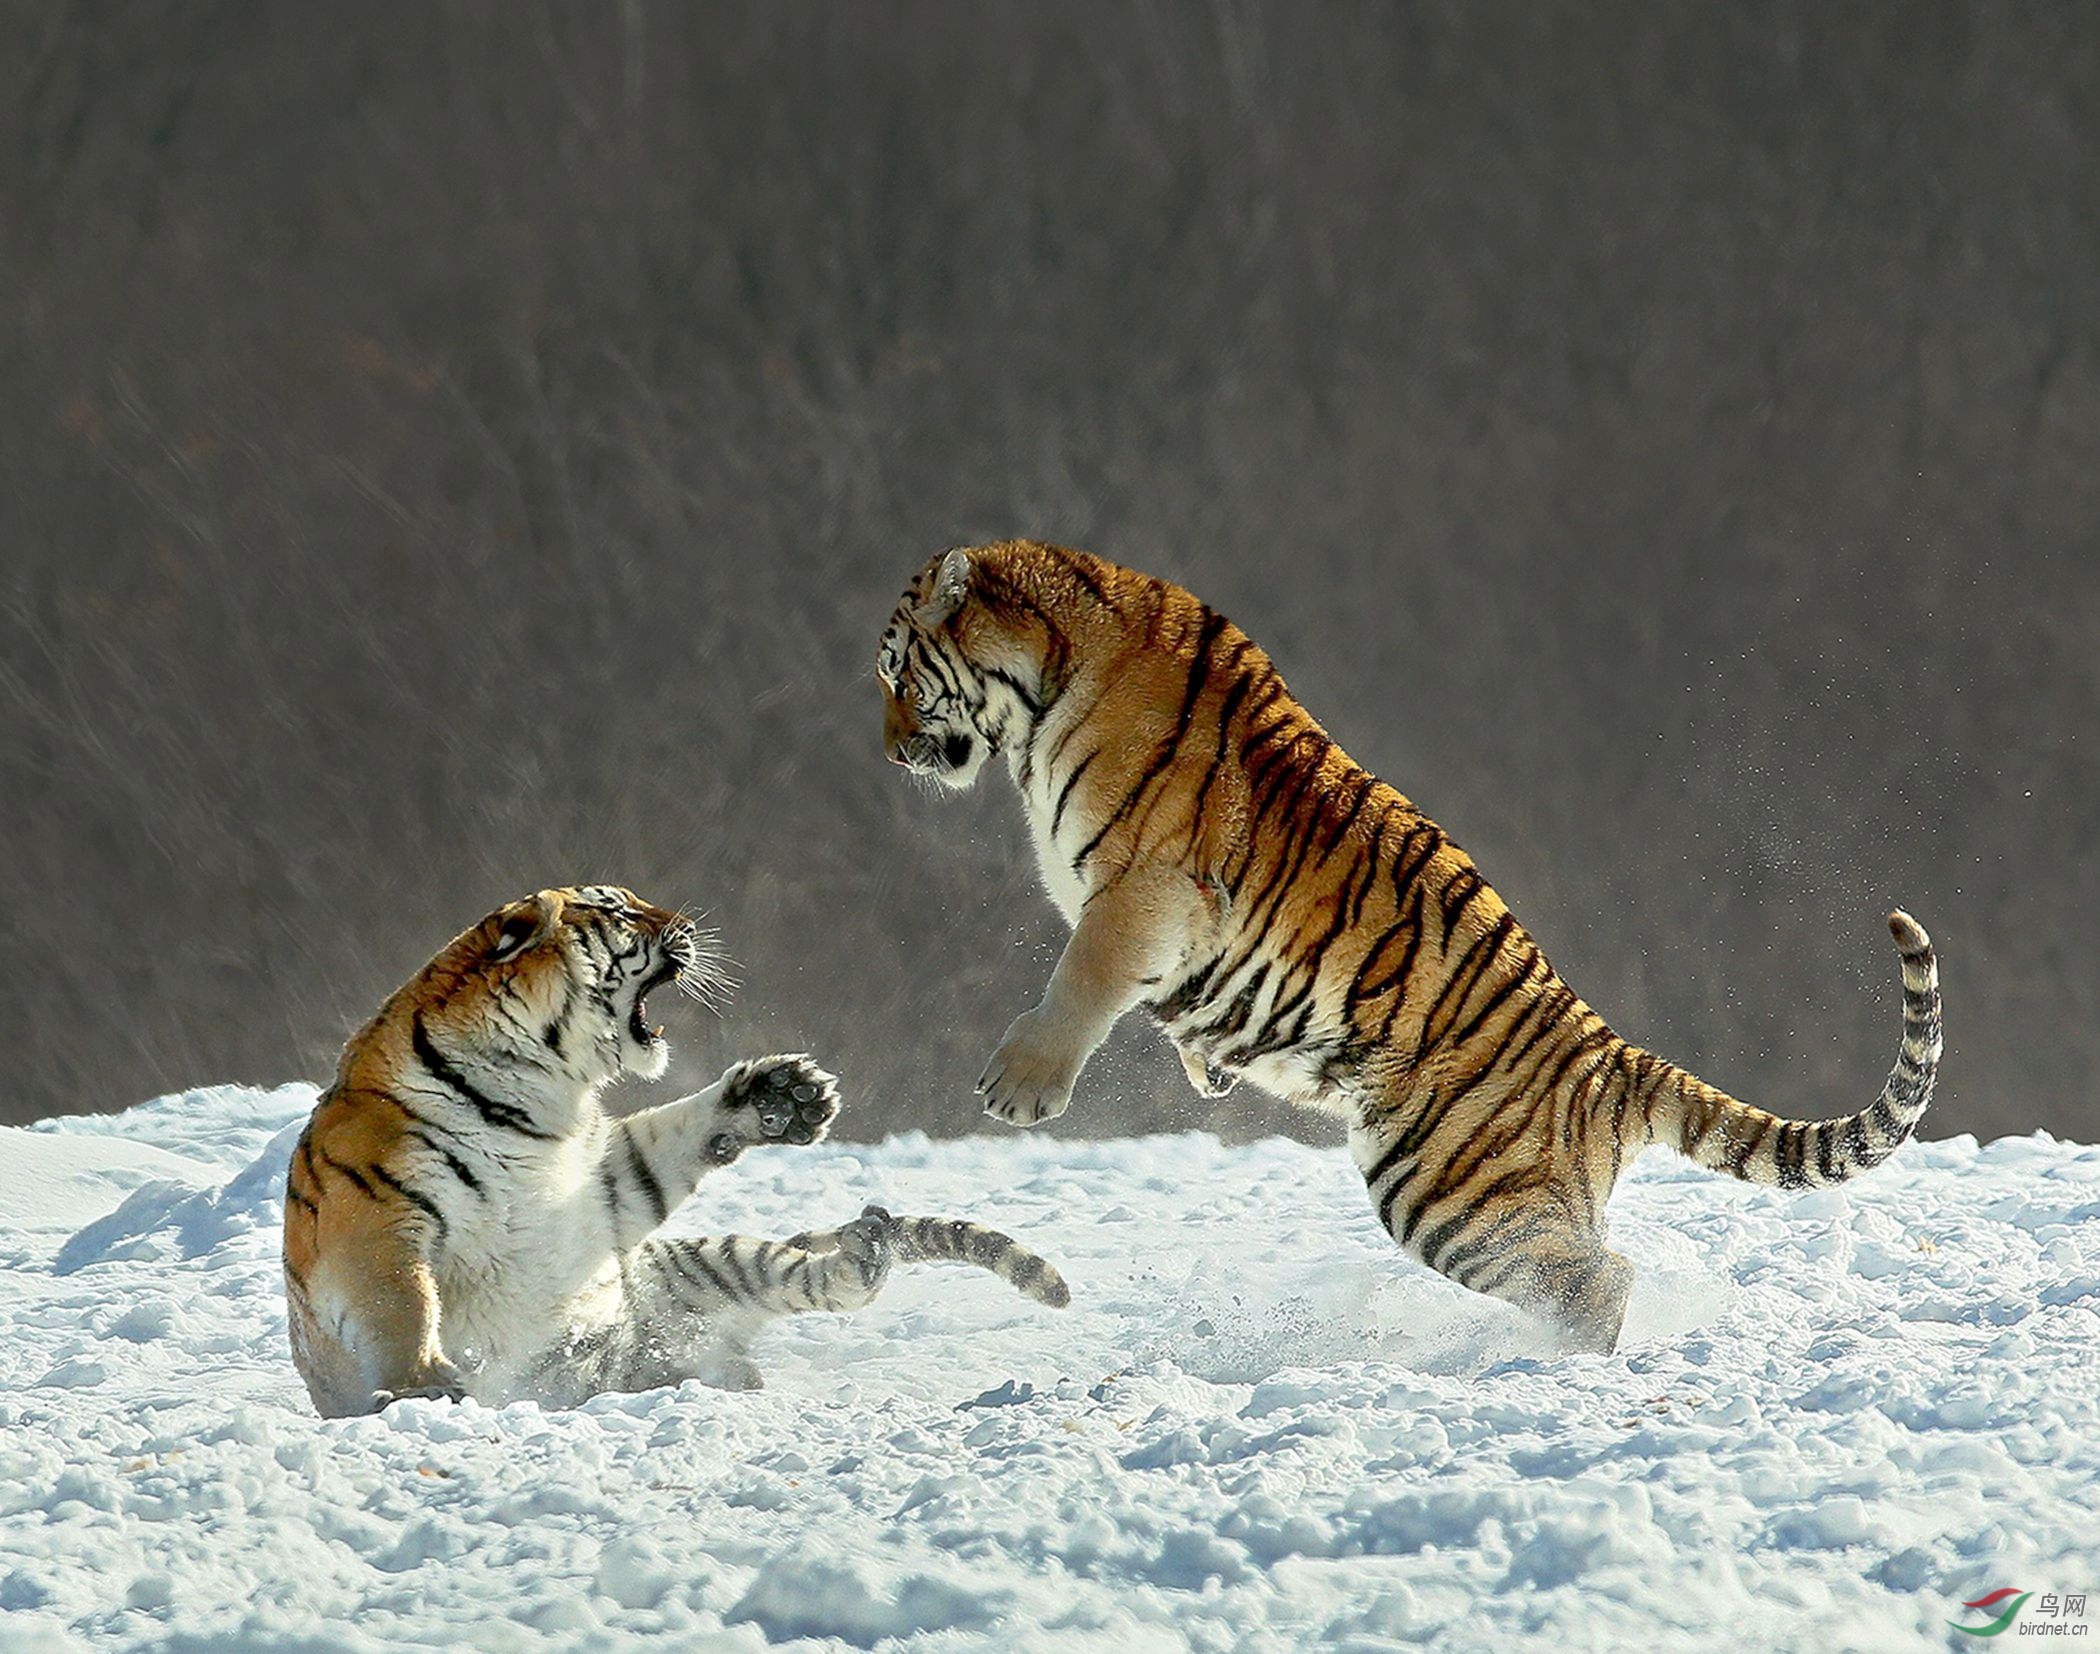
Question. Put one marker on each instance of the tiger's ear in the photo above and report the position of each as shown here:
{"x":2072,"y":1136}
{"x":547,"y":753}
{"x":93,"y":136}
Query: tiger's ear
{"x":528,"y":925}
{"x":951,"y":586}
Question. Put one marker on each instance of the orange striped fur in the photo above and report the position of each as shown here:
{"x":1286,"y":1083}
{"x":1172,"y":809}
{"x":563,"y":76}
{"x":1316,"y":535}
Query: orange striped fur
{"x":462,"y":1218}
{"x":1290,"y":918}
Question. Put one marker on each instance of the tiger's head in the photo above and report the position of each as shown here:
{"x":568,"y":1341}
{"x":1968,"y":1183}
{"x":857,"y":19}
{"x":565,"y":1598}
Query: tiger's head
{"x":939,"y":714}
{"x":559,"y":982}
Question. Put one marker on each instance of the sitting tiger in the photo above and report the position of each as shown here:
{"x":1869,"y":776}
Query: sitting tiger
{"x":461,"y":1218}
{"x":1290,"y":918}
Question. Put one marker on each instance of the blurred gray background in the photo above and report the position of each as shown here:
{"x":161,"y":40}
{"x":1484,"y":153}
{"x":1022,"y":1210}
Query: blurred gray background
{"x":450,"y":449}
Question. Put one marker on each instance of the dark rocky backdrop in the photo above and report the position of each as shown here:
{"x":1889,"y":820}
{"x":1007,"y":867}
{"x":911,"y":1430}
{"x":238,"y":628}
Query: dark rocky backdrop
{"x":447,"y":449}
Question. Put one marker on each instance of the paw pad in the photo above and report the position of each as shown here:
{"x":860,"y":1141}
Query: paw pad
{"x":791,"y":1099}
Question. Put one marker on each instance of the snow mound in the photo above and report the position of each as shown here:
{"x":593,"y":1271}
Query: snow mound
{"x":1840,"y":1415}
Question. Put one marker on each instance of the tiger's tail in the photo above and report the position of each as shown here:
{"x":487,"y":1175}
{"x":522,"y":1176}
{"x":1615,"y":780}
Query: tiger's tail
{"x":1717,"y":1131}
{"x":952,"y":1240}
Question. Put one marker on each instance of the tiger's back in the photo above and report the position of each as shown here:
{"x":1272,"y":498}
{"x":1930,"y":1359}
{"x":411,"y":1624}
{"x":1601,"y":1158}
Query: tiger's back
{"x":1289,"y":917}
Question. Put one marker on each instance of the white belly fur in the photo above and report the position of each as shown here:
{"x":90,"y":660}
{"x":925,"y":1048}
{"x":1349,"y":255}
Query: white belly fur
{"x":532,"y":1262}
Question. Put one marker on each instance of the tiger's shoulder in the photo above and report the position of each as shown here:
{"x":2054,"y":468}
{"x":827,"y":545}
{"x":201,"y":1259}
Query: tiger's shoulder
{"x":365,"y":1119}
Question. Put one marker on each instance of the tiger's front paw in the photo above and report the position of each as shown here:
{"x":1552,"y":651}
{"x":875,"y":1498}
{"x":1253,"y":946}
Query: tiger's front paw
{"x":778,"y":1100}
{"x":1028,"y":1081}
{"x":1209,"y":1080}
{"x":439,"y":1380}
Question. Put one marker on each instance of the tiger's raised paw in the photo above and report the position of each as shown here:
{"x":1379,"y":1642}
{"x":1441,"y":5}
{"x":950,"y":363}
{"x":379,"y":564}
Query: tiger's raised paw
{"x":780,"y":1099}
{"x":1023,"y":1084}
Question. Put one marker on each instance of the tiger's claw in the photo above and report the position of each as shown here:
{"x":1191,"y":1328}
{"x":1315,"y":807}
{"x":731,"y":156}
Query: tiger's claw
{"x":1208,"y":1078}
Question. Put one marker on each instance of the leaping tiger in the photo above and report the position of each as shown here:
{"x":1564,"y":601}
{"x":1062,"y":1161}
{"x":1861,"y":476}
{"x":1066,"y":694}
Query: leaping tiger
{"x":461,"y":1217}
{"x":1289,"y":917}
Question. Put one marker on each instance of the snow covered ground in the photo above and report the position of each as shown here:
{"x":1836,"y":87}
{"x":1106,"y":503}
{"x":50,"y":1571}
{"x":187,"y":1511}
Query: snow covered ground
{"x":1840,"y":1416}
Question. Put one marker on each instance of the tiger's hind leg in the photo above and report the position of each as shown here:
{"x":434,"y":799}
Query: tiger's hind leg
{"x":737,"y":1277}
{"x":1532,"y":1245}
{"x":1580,"y":1288}
{"x":694,"y":1305}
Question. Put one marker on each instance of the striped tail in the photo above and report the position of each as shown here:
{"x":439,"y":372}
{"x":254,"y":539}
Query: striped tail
{"x":1714,"y":1129}
{"x":951,"y":1240}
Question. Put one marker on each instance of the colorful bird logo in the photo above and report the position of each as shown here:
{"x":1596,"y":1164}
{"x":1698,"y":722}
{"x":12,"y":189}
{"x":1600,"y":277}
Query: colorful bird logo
{"x":2003,"y":1620}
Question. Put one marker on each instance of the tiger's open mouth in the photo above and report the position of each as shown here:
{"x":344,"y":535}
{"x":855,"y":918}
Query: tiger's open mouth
{"x":638,"y":1028}
{"x":692,"y":963}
